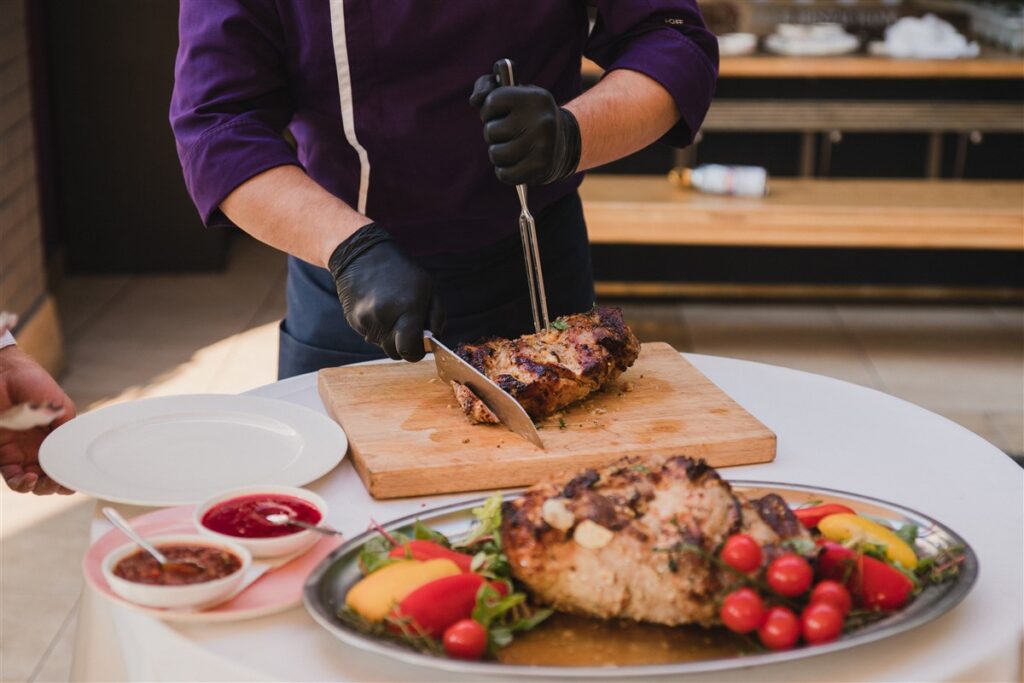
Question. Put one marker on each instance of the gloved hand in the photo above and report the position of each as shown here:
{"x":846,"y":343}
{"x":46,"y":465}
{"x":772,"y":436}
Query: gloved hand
{"x":387,"y":297}
{"x":531,"y":140}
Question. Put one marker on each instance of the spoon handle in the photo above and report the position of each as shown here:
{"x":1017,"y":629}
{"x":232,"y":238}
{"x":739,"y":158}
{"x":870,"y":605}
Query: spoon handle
{"x":121,"y":523}
{"x":326,"y":530}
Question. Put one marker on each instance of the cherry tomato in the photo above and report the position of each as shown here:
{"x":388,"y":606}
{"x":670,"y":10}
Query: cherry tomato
{"x":780,"y":630}
{"x":742,"y":611}
{"x":465,"y":639}
{"x":833,"y":593}
{"x":742,"y":553}
{"x":821,"y":622}
{"x":789,"y":575}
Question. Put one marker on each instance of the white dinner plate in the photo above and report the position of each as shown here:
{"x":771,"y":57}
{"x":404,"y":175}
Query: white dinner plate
{"x":177,"y":450}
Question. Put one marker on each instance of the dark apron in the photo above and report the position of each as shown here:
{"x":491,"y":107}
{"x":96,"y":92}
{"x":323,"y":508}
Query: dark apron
{"x":484,"y":294}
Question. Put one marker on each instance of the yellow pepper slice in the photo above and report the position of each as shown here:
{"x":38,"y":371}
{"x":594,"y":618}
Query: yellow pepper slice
{"x":844,"y":527}
{"x":375,"y":595}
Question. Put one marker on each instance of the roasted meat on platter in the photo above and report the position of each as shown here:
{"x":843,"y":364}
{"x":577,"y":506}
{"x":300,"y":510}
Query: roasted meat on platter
{"x":610,"y":543}
{"x":550,"y":370}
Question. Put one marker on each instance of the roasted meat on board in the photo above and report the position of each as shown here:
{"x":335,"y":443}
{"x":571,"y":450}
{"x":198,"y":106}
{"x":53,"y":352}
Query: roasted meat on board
{"x":609,"y":543}
{"x":550,"y":370}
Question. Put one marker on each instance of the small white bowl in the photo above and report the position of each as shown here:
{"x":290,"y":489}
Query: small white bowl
{"x":276,"y":546}
{"x":187,"y":595}
{"x":737,"y":44}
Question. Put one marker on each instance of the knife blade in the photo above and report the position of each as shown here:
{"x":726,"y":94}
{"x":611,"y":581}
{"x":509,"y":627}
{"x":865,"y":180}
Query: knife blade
{"x":451,"y":368}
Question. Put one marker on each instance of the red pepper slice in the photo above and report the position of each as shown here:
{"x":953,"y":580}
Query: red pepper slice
{"x":810,"y":517}
{"x":881,"y":586}
{"x":428,"y":550}
{"x":873,"y":583}
{"x":435,"y":606}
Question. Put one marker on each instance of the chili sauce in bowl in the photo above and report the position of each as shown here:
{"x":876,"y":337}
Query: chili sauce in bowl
{"x":185,"y":564}
{"x":136,"y":576}
{"x":241,"y":515}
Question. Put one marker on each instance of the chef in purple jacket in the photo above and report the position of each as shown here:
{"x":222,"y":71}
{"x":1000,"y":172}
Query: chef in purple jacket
{"x":396,"y":213}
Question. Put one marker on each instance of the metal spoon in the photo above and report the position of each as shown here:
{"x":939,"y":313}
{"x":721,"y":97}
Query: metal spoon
{"x":121,"y":523}
{"x":280,"y":519}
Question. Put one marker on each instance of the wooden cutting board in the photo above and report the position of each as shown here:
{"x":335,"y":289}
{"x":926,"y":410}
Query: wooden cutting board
{"x":408,"y":437}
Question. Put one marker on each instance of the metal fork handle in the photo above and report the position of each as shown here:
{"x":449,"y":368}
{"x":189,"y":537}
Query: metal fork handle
{"x":505,"y":73}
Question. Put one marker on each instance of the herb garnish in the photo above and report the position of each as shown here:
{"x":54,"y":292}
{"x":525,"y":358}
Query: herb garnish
{"x":502,"y":616}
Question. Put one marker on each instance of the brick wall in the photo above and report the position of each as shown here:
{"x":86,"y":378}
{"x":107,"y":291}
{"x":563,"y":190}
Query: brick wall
{"x":22,"y":275}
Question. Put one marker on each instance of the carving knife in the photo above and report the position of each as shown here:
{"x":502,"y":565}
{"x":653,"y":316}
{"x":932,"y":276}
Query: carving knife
{"x":451,"y":368}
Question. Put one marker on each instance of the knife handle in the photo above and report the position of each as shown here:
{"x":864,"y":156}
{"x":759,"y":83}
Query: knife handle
{"x":504,"y":71}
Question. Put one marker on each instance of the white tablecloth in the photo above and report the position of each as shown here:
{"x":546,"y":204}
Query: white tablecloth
{"x":831,"y":434}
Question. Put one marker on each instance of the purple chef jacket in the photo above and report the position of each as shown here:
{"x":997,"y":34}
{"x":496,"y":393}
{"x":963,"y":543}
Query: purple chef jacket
{"x":375,"y":94}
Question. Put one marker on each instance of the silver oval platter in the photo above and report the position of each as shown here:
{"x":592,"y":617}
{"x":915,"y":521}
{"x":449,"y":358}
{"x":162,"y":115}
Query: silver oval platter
{"x":326,"y":587}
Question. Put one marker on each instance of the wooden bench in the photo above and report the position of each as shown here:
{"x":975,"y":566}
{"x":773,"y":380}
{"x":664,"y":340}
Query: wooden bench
{"x":892,"y":214}
{"x":992,"y":64}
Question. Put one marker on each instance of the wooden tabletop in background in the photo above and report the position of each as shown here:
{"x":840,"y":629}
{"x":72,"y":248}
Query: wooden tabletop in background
{"x":992,"y":64}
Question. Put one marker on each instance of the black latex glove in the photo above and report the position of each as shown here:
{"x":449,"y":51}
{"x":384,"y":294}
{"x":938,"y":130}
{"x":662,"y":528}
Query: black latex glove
{"x":531,"y":140}
{"x":387,"y":297}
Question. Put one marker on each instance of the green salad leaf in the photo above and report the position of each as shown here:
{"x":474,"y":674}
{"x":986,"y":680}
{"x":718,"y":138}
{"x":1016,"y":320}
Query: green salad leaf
{"x":908,"y":534}
{"x":421,"y":532}
{"x":374,"y":554}
{"x":503,"y":617}
{"x":488,"y":518}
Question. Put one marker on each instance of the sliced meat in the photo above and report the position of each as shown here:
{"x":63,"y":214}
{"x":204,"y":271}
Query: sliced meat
{"x":475,"y":409}
{"x":548,"y":371}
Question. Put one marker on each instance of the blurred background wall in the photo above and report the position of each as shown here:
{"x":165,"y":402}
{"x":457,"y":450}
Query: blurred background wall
{"x":23,"y":281}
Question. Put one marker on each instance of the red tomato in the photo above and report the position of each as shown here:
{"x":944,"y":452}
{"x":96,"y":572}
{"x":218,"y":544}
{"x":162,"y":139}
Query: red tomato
{"x":742,"y":553}
{"x":821,"y":622}
{"x":810,"y":517}
{"x":789,"y":575}
{"x":428,"y":550}
{"x":742,"y":611}
{"x":780,"y":630}
{"x":437,"y":605}
{"x":881,"y":586}
{"x":465,"y":639}
{"x":833,"y":593}
{"x":836,"y":562}
{"x":873,"y":583}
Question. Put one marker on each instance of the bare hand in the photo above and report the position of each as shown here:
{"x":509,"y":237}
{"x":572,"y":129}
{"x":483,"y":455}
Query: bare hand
{"x":22,"y":381}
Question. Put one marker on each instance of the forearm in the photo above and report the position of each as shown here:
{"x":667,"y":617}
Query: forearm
{"x":288,"y":210}
{"x":622,"y":114}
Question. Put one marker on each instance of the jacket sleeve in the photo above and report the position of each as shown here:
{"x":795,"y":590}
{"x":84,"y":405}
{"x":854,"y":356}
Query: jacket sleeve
{"x":231,"y":100}
{"x":666,"y":40}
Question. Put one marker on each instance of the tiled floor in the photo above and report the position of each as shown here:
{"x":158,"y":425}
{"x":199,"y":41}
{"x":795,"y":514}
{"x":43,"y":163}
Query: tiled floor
{"x":130,"y":337}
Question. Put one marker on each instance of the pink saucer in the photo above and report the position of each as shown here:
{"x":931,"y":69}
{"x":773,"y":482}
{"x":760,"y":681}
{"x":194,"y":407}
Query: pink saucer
{"x":277,"y":590}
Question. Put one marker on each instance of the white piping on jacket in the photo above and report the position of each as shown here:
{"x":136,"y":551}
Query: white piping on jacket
{"x":345,"y":92}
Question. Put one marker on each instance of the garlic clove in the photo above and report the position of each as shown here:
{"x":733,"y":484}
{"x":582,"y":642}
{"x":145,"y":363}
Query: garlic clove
{"x":592,"y":535}
{"x":556,"y":514}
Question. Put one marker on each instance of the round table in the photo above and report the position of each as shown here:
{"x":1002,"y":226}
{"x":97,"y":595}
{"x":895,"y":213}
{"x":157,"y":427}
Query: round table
{"x":831,"y":434}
